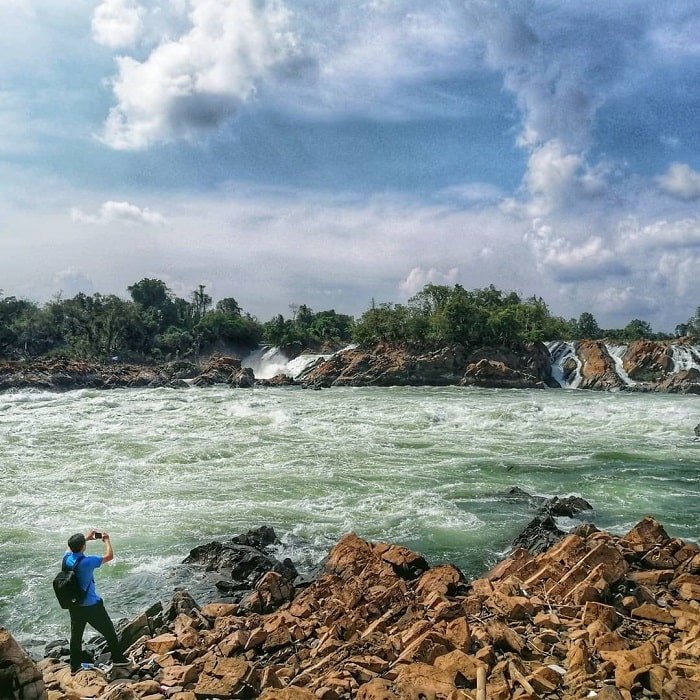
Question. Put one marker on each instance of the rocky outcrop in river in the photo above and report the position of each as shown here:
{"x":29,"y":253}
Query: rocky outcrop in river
{"x":667,"y":366}
{"x":593,"y":616}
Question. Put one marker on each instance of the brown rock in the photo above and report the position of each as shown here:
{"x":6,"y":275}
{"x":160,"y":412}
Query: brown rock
{"x":162,"y":644}
{"x":18,"y":672}
{"x":459,"y":664}
{"x":445,"y":579}
{"x":651,"y":578}
{"x":510,"y":606}
{"x":646,"y":535}
{"x":681,"y":689}
{"x":221,"y":678}
{"x":289,"y":693}
{"x":656,"y":613}
{"x":406,"y":563}
{"x":421,"y":680}
{"x":214,"y":610}
{"x":178,"y":674}
{"x":689,"y":591}
{"x":600,"y":612}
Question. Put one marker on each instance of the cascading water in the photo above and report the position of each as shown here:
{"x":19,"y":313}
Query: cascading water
{"x":266,"y":362}
{"x":562,"y":353}
{"x":617,"y":352}
{"x":269,"y":362}
{"x":685,"y":357}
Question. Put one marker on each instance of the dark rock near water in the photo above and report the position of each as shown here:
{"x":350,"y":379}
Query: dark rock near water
{"x":245,"y":559}
{"x":543,"y":531}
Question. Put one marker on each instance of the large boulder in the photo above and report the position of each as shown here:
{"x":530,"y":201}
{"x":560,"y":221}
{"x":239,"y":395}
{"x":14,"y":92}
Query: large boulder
{"x":244,"y":560}
{"x":387,"y":365}
{"x":220,"y":369}
{"x":598,"y":369}
{"x":20,"y":679}
{"x":494,"y":374}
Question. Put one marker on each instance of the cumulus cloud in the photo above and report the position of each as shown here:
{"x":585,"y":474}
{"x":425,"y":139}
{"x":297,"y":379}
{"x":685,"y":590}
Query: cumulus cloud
{"x":117,"y":23}
{"x":198,"y":82}
{"x":680,"y":181}
{"x":118,"y":212}
{"x":418,"y":277}
{"x":567,"y":261}
{"x":660,"y":234}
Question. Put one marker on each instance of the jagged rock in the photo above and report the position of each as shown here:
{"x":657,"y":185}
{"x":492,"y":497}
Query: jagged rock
{"x":494,"y":374}
{"x":686,"y":381}
{"x":387,"y":365}
{"x":244,"y":559}
{"x":220,"y":369}
{"x":647,"y":360}
{"x":583,"y":618}
{"x":20,"y":679}
{"x":597,"y":366}
{"x":542,"y":531}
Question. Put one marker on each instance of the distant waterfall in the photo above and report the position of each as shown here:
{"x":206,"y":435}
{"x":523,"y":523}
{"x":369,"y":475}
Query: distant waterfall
{"x":685,"y":357}
{"x":617,"y":352}
{"x":566,"y":365}
{"x":269,"y":362}
{"x":266,"y":362}
{"x":562,"y":353}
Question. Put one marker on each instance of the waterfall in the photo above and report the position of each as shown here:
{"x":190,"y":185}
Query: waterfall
{"x":685,"y":357}
{"x":562,"y":352}
{"x":617,"y":352}
{"x":268,"y":362}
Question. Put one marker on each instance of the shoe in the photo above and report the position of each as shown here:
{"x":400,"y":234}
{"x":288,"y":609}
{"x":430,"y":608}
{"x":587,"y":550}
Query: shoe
{"x":83,"y":667}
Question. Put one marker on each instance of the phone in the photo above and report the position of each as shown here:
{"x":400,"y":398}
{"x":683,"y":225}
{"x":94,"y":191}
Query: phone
{"x":98,"y":535}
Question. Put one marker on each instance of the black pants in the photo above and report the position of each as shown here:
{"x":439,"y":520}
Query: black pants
{"x":96,"y":616}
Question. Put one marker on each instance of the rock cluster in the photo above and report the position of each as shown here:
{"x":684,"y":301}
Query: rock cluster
{"x":595,"y":615}
{"x":388,"y":365}
{"x":649,"y":366}
{"x":78,"y":374}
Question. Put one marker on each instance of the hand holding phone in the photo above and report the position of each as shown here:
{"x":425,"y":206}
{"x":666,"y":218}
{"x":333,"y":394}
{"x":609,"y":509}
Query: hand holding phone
{"x":97,"y":535}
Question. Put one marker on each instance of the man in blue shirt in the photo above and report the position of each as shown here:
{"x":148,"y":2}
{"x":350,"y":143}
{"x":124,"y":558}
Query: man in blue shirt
{"x":92,"y":610}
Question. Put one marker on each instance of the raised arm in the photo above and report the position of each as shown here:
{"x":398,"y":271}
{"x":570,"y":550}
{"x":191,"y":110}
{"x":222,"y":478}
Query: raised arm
{"x":109,"y":552}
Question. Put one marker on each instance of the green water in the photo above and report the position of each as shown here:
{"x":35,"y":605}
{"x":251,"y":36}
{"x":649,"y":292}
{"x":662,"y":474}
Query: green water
{"x":165,"y":470}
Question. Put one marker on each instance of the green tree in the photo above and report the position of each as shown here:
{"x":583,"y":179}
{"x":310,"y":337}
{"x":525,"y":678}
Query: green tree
{"x":587,"y":327}
{"x":229,"y":305}
{"x":637,"y":330}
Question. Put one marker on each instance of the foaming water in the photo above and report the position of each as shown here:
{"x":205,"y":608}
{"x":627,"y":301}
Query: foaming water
{"x":165,"y":470}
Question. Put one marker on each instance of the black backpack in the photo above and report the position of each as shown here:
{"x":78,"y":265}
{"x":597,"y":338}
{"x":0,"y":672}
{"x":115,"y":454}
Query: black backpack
{"x":66,"y":587}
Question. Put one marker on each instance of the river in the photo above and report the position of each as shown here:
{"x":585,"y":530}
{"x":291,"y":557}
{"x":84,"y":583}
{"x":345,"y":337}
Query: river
{"x":164,"y":470}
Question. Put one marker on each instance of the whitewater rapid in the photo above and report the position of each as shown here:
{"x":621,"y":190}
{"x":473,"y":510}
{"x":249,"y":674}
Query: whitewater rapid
{"x":164,"y":470}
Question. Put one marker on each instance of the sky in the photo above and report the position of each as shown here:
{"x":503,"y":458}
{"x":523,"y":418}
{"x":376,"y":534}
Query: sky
{"x":334,"y":153}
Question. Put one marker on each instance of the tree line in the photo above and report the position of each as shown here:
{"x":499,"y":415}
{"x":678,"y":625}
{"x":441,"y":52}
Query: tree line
{"x":155,"y":325}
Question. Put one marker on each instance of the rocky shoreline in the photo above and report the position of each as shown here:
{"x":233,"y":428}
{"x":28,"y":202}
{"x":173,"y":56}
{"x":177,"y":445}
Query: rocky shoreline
{"x":585,"y":614}
{"x":645,"y":366}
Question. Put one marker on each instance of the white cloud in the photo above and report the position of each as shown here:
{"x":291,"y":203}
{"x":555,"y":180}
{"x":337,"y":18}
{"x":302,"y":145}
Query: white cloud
{"x":660,"y":234}
{"x":679,"y":272}
{"x":680,"y":181}
{"x":117,"y":23}
{"x":118,"y":212}
{"x":198,"y":82}
{"x":555,"y":179}
{"x":418,"y":277}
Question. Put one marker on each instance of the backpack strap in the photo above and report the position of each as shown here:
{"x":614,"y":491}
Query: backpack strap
{"x":73,"y":568}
